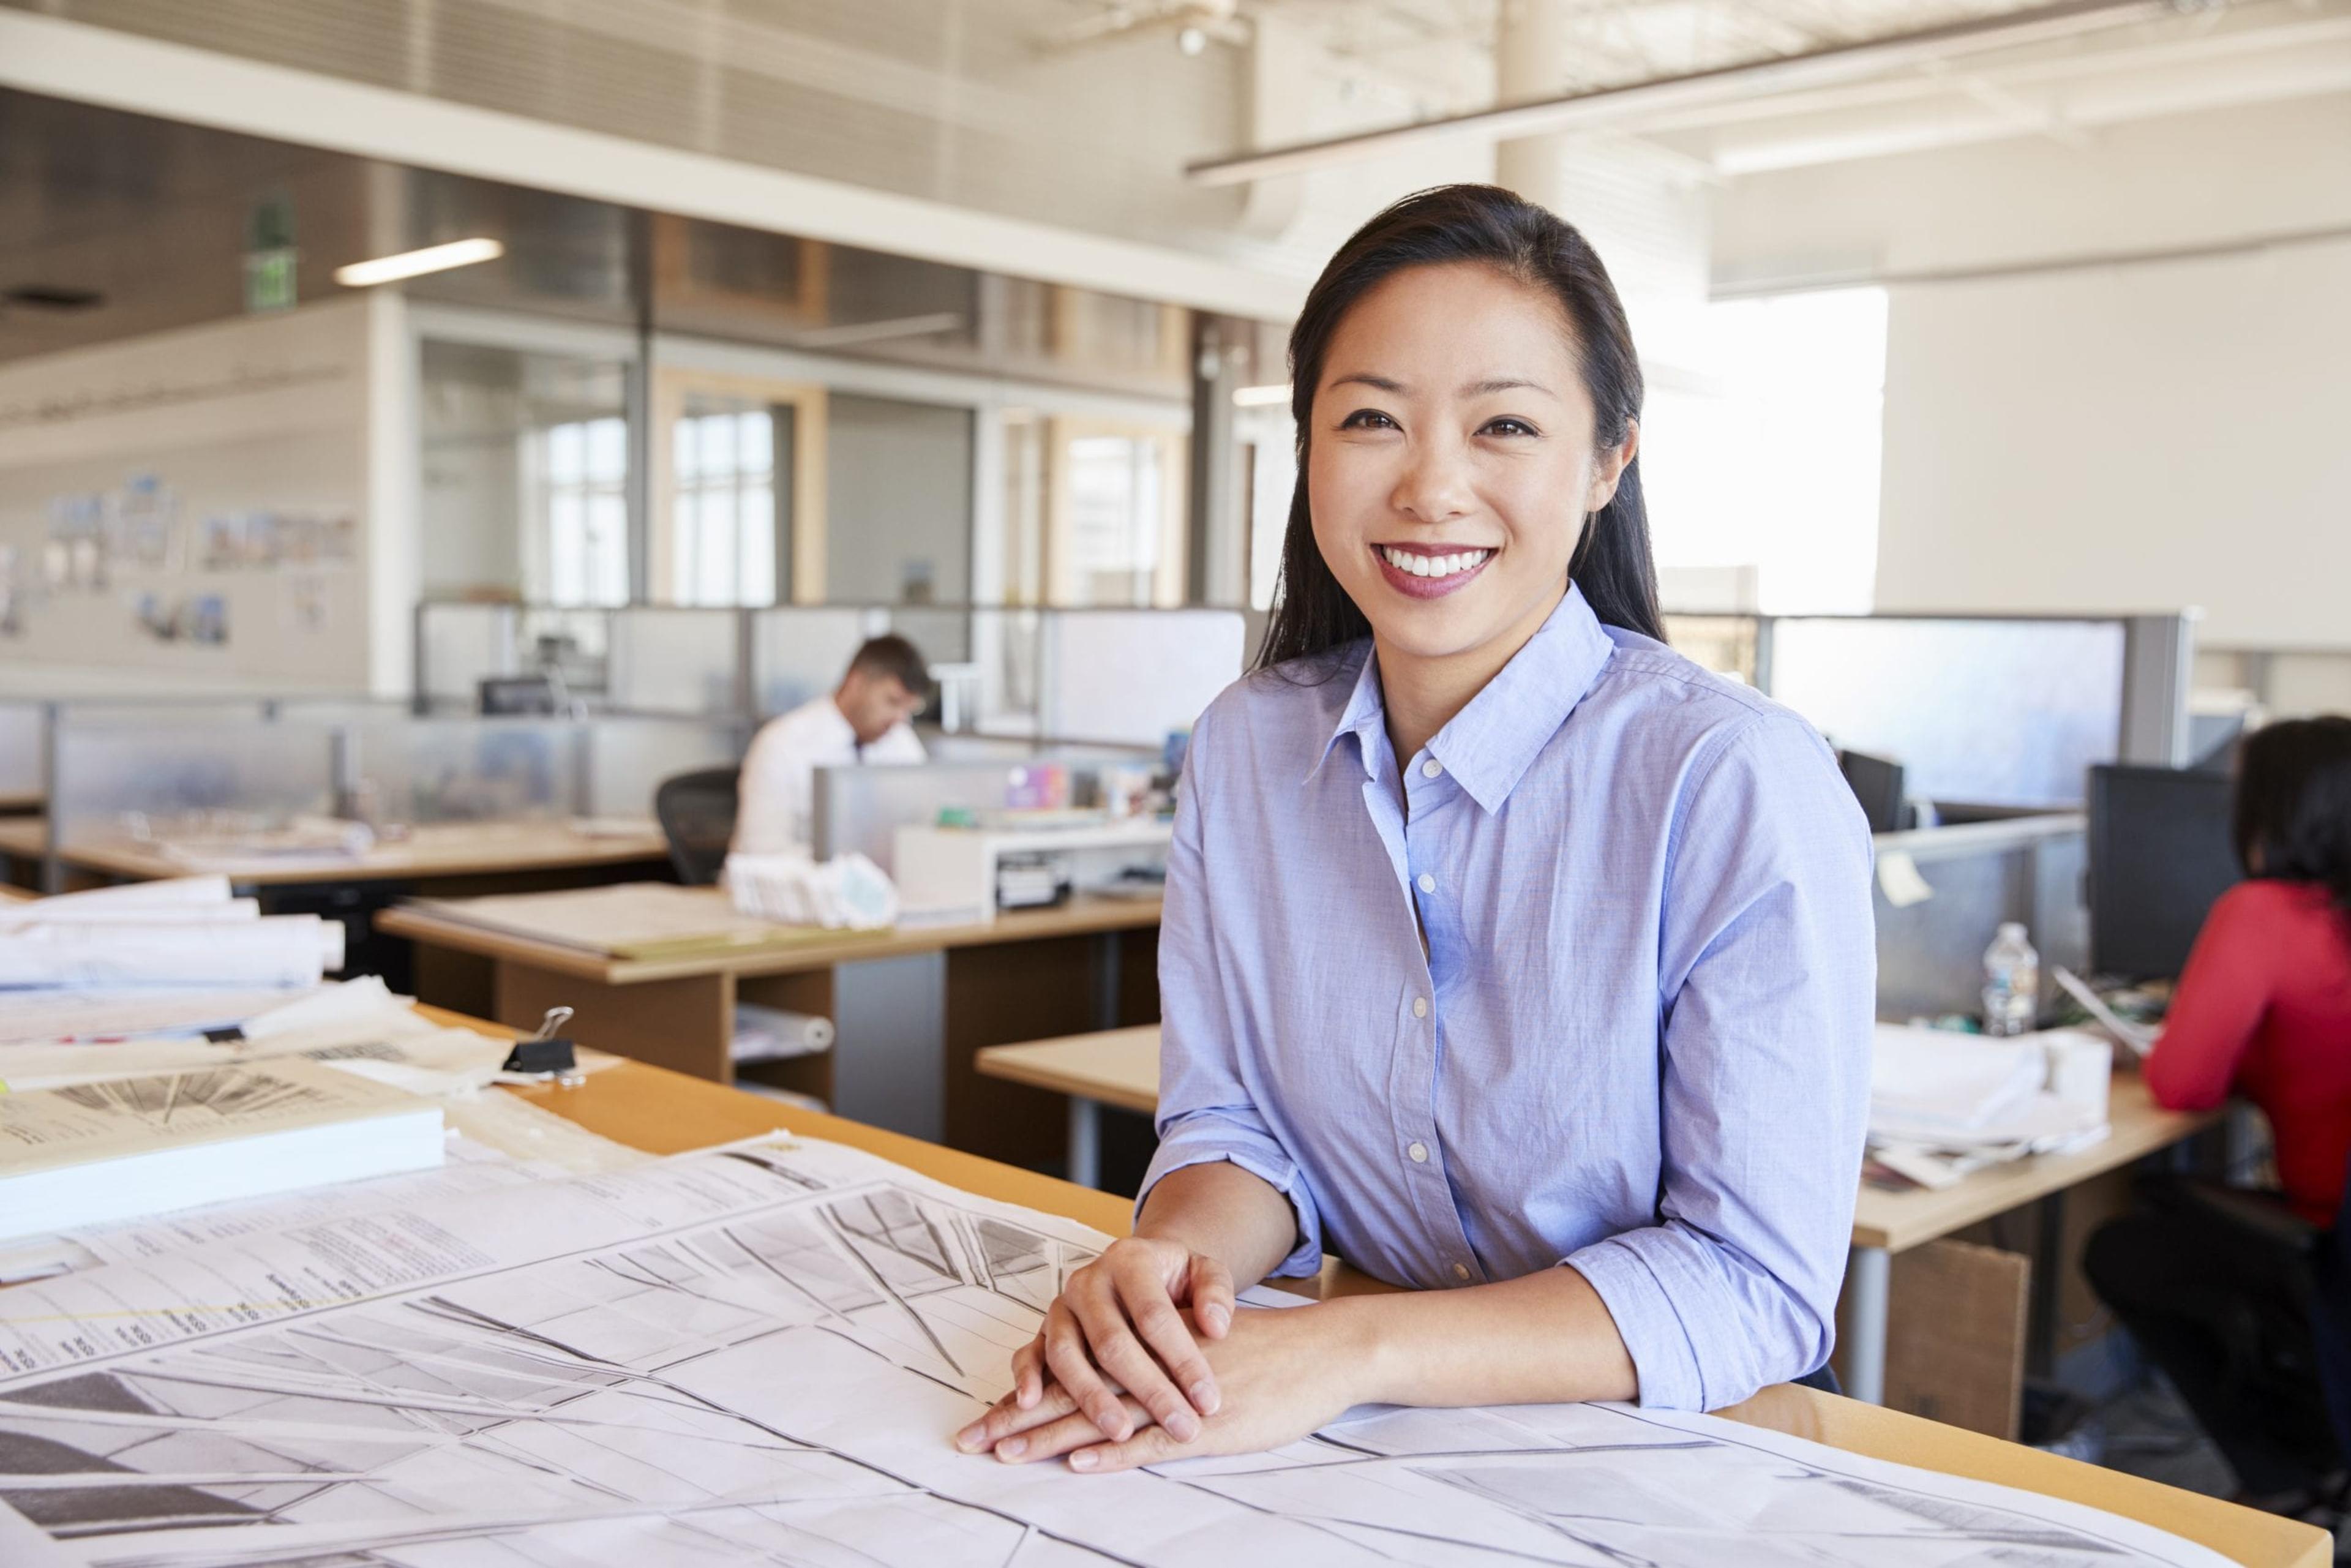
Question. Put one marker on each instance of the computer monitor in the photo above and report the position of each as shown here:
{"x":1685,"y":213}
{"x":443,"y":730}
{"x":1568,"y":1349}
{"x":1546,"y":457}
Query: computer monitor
{"x":2159,"y":855}
{"x":507,"y":694}
{"x":1878,"y":782}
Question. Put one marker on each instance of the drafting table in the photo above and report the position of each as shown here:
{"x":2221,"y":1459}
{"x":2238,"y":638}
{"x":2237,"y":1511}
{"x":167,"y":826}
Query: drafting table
{"x":911,"y":1005}
{"x":1120,"y":1068}
{"x":665,"y":1112}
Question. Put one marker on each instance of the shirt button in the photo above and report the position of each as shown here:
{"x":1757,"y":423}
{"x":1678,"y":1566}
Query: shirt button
{"x":1427,"y":882}
{"x":1461,"y":1270}
{"x":1420,"y":1007}
{"x":1431,"y":768}
{"x":1419,"y":1153}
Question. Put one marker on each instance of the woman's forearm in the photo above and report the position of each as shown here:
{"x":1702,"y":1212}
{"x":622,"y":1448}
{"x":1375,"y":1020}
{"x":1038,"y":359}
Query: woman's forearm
{"x":1223,"y":1212}
{"x":1542,"y":1339}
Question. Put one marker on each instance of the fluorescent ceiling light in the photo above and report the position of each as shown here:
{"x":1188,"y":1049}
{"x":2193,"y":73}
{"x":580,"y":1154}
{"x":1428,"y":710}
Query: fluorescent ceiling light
{"x":1262,"y":397}
{"x":416,"y":263}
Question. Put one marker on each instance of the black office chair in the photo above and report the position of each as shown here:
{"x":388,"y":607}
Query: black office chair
{"x":2326,"y":1254}
{"x":696,"y":811}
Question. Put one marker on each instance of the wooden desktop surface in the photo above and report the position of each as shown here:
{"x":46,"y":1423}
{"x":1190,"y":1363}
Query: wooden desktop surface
{"x":1082,"y":916}
{"x":439,"y":850}
{"x":1120,"y":1067}
{"x":26,"y":838}
{"x":2138,"y":1127}
{"x":652,"y":1109}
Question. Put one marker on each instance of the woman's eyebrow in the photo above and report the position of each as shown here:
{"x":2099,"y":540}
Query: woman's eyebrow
{"x":1501,"y":384}
{"x":1365,"y":378}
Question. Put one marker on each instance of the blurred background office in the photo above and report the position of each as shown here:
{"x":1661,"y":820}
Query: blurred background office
{"x":437,"y":434}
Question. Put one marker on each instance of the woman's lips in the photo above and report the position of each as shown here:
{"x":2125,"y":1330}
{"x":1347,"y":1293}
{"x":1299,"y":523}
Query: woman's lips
{"x":1422,"y":573}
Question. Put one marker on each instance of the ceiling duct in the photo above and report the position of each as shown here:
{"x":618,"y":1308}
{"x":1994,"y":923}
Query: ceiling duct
{"x":1821,"y":68}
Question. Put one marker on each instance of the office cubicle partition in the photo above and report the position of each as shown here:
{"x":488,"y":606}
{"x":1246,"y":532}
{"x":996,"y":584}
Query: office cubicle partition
{"x":2000,"y":712}
{"x":217,"y":768}
{"x":1015,"y":672}
{"x":24,"y":756}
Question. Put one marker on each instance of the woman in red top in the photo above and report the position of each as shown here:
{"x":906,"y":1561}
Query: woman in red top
{"x":2264,"y":1009}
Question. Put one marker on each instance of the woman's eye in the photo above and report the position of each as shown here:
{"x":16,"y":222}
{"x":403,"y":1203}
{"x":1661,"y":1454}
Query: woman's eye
{"x":1509,"y":428}
{"x":1367,"y":419}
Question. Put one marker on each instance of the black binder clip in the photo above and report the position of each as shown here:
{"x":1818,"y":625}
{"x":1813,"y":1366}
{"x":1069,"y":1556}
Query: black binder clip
{"x":546,"y":1054}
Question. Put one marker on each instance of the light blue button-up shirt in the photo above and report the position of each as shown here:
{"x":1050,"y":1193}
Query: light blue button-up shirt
{"x":1637,"y":1042}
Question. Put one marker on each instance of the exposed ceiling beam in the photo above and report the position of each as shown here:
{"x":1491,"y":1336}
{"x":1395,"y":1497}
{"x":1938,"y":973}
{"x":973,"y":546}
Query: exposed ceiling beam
{"x":1839,"y":63}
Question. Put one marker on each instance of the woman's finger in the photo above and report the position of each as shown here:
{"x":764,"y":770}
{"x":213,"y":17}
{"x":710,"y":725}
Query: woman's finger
{"x":1172,"y":1346}
{"x":1029,"y":1373}
{"x":1212,"y":1299}
{"x":1057,"y":1438}
{"x":1004,"y":1418}
{"x":1070,"y":1360}
{"x":1148,"y":1446}
{"x":1110,"y":1336}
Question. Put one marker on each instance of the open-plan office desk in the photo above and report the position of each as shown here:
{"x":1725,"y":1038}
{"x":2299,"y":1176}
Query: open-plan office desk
{"x":912,"y":1004}
{"x":666,"y":1113}
{"x":442,"y":853}
{"x":1120,"y":1068}
{"x":445,"y":859}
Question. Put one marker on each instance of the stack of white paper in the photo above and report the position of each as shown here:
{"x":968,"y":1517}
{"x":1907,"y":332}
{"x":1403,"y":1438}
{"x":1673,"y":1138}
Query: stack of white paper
{"x":1938,"y":1089}
{"x":184,"y":932}
{"x":98,"y":1152}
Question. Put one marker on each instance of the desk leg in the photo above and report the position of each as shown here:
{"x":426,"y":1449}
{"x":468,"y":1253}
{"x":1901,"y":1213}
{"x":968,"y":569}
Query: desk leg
{"x":1106,"y":981}
{"x":1085,"y":1141}
{"x":2045,"y":1286}
{"x":1868,"y":1278}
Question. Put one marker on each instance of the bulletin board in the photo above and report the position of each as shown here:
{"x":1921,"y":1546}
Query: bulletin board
{"x":193,"y":502}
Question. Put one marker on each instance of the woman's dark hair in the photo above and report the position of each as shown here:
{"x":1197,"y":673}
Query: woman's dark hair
{"x":2293,"y":804}
{"x":1487,"y":224}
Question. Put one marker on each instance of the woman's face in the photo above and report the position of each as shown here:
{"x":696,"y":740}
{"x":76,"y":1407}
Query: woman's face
{"x":1450,"y":463}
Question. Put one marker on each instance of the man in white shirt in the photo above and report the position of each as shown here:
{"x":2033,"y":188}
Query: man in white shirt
{"x":862,"y":721}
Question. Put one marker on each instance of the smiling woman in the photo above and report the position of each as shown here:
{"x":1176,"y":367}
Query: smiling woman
{"x":1506,"y":952}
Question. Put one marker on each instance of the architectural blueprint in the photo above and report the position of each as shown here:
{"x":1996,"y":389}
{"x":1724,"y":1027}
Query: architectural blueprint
{"x":757,"y":1356}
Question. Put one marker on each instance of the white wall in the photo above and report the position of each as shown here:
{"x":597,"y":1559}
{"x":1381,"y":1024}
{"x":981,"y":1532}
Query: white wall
{"x":2218,"y":176}
{"x":267,"y":414}
{"x":2127,"y":437}
{"x":2118,"y":372}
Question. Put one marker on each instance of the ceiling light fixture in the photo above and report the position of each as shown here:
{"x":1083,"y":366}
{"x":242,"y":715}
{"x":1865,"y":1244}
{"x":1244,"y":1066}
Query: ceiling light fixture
{"x":416,"y":263}
{"x":1262,"y":397}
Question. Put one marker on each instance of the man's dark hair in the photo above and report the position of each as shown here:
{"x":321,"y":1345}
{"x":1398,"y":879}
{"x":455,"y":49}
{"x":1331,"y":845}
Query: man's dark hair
{"x":891,"y":654}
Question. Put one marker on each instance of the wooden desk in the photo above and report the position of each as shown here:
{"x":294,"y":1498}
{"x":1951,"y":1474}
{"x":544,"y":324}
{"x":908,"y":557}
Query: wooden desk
{"x":1120,"y":1068}
{"x":666,"y":1111}
{"x":437,"y":852}
{"x":24,"y":843}
{"x":911,"y":1006}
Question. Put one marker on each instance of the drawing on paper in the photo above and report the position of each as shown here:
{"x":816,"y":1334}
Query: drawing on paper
{"x":776,"y":1384}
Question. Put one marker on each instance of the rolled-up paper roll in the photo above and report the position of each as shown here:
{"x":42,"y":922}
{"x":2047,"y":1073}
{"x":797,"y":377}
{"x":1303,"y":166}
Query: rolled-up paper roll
{"x":764,"y":1034}
{"x":274,"y":950}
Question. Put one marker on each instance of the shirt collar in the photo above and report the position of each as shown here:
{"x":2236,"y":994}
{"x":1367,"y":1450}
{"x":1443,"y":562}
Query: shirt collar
{"x":1491,"y":744}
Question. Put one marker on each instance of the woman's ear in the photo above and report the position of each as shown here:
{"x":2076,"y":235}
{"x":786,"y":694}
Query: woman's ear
{"x":1608,"y":465}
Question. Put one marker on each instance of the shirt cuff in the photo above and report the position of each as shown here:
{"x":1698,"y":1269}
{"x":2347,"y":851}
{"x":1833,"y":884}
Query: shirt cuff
{"x":1263,"y":1158}
{"x":1663,"y":1359}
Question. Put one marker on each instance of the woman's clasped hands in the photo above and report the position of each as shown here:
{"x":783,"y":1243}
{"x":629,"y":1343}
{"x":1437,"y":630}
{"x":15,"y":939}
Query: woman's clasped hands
{"x":1143,"y":1357}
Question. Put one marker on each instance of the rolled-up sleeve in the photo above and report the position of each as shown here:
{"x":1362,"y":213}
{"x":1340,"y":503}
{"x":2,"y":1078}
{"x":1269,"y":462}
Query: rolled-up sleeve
{"x":1207,"y":1112}
{"x":1767,"y":975}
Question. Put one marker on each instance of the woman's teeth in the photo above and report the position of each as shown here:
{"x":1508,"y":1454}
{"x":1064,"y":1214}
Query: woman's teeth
{"x":1435,"y":565}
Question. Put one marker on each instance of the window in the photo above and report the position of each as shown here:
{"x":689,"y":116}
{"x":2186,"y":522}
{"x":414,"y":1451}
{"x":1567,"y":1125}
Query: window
{"x":583,"y":505}
{"x":723,"y":536}
{"x":1767,"y":455}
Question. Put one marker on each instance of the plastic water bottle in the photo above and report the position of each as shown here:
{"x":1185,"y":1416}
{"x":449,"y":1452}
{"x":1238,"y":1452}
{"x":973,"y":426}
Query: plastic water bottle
{"x":2011,"y":990}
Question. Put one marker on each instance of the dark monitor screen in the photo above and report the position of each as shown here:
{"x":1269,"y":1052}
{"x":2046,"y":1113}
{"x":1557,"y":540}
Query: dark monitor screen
{"x":501,"y":695}
{"x":1878,"y":783}
{"x":2159,"y":855}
